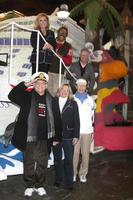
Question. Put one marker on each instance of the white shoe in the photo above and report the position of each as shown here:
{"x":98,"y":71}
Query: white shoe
{"x":41,"y":191}
{"x":74,"y":178}
{"x":28,"y":192}
{"x":83,"y":179}
{"x":48,"y":165}
{"x":98,"y":149}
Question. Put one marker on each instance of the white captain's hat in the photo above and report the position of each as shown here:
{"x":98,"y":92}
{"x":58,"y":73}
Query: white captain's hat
{"x":81,"y":81}
{"x":40,"y":76}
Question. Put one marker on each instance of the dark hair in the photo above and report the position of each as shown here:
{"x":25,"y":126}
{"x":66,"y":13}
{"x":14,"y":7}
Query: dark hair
{"x":114,"y":52}
{"x":63,"y":27}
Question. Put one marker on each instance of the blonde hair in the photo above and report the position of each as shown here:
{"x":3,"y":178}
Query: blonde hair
{"x":70,"y":96}
{"x":37,"y":20}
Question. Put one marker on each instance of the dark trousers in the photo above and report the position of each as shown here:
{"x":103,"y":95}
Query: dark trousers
{"x":41,"y":68}
{"x":64,"y":173}
{"x":35,"y":163}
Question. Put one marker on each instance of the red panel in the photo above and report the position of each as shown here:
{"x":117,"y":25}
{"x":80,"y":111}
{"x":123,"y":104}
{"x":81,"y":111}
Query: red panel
{"x":112,"y":138}
{"x":116,"y":97}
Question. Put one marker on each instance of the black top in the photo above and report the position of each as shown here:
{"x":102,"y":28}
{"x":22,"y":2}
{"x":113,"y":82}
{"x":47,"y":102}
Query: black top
{"x":48,"y":54}
{"x":42,"y":118}
{"x":20,"y":96}
{"x":50,"y":38}
{"x":82,"y":69}
{"x":69,"y":119}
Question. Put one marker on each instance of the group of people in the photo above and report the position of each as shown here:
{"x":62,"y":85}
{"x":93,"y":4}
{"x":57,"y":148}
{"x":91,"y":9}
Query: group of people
{"x":49,"y":62}
{"x":65,"y":119}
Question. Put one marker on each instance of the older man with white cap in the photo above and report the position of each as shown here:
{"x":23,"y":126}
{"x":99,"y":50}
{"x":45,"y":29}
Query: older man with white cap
{"x":86,"y":110}
{"x":35,"y":125}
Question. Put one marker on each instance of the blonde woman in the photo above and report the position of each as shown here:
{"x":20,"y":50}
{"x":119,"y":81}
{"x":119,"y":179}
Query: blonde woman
{"x":45,"y":53}
{"x":65,"y":104}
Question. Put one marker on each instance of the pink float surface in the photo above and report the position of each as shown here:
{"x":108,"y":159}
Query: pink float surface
{"x":112,"y":137}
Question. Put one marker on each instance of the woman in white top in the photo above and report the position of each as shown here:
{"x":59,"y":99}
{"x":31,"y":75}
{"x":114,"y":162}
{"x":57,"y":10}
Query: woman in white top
{"x":86,"y":110}
{"x":65,"y":104}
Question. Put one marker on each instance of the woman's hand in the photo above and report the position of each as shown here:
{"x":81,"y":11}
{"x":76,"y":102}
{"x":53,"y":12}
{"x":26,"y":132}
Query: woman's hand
{"x":55,"y":143}
{"x":47,"y":46}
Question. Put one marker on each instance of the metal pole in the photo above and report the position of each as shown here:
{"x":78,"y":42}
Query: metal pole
{"x":37,"y":56}
{"x":60,"y":69}
{"x":126,"y":55}
{"x":11,"y":50}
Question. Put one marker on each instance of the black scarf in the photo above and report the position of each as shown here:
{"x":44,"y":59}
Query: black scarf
{"x":33,"y":118}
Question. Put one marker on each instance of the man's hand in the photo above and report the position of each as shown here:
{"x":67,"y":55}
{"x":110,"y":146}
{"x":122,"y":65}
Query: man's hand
{"x":28,"y":84}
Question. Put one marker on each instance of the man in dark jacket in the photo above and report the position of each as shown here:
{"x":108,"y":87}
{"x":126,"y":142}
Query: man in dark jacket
{"x":35,"y":125}
{"x":82,"y":69}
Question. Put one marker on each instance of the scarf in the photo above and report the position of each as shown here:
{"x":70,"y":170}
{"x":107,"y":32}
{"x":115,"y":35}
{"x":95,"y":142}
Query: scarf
{"x":33,"y":118}
{"x":81,"y":96}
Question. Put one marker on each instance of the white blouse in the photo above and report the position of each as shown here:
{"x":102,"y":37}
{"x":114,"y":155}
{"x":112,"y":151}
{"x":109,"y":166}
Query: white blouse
{"x":62,"y":101}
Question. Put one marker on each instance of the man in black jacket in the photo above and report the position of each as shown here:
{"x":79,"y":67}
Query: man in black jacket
{"x":82,"y":69}
{"x":35,"y":125}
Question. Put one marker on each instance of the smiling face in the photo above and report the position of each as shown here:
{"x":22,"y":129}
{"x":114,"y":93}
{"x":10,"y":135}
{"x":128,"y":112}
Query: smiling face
{"x":81,"y":88}
{"x":40,"y":87}
{"x":84,"y":57}
{"x":62,"y":34}
{"x":64,"y":91}
{"x":43,"y":22}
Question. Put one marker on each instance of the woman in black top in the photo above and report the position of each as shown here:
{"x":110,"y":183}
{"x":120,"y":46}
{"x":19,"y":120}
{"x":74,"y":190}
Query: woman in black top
{"x":68,"y":109}
{"x":45,"y":53}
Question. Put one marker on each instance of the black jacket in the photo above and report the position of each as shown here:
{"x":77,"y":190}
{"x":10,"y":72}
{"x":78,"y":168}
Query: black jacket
{"x":88,"y":75}
{"x":20,"y":96}
{"x":69,"y":119}
{"x":45,"y":56}
{"x":62,"y":51}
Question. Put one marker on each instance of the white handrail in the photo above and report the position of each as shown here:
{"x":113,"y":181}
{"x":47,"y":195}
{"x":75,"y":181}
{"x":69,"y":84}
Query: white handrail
{"x":3,"y":27}
{"x":60,"y":61}
{"x":11,"y":50}
{"x":60,"y":69}
{"x":12,"y":24}
{"x":37,"y":56}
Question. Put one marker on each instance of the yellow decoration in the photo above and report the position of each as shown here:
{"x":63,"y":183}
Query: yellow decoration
{"x":102,"y":93}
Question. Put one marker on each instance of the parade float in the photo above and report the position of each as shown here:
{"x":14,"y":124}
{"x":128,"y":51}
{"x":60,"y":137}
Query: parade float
{"x":15,"y":66}
{"x":112,"y":130}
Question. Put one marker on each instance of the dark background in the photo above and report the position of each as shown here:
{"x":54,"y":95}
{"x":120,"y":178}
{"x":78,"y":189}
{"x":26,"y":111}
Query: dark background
{"x":33,"y":7}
